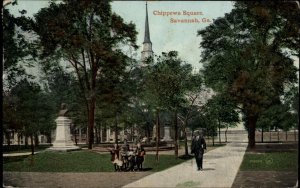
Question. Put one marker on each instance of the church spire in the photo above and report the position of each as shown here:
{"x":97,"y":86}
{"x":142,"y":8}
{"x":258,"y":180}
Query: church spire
{"x":147,"y":33}
{"x":147,"y":44}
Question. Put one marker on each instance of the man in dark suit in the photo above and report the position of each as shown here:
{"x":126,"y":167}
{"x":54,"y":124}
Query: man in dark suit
{"x":198,"y":147}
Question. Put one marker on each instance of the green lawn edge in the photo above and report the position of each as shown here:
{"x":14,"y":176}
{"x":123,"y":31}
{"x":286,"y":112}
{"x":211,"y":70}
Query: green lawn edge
{"x":272,"y":161}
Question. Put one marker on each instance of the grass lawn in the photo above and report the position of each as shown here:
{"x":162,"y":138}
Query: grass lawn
{"x":274,"y":161}
{"x":78,"y":161}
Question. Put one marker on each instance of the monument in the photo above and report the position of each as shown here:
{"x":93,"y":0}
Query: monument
{"x":63,"y":140}
{"x":167,"y":133}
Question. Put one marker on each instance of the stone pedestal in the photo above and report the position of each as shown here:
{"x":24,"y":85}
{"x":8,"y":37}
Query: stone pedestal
{"x":167,"y":136}
{"x":63,"y":140}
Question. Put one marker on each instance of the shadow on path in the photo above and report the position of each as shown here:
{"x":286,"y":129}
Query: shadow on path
{"x":207,"y":169}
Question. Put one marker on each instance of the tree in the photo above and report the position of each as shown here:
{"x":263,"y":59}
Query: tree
{"x":31,"y":114}
{"x":223,"y":110}
{"x":115,"y":92}
{"x":62,"y":87}
{"x":15,"y":49}
{"x":191,"y":108}
{"x":280,"y":115}
{"x":18,"y":54}
{"x":243,"y":56}
{"x":87,"y":35}
{"x":166,"y":86}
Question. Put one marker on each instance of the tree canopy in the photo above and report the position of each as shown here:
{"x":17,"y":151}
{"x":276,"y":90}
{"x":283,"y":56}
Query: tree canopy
{"x":87,"y":35}
{"x":244,"y":56}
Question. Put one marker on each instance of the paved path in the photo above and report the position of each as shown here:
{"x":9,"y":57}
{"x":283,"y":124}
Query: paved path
{"x":17,"y":154}
{"x":220,"y":168}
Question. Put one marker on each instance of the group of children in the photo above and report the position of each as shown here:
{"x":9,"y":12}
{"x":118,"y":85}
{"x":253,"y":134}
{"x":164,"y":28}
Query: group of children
{"x":126,"y":159}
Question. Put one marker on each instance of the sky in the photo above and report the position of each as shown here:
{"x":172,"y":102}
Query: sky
{"x":165,"y":36}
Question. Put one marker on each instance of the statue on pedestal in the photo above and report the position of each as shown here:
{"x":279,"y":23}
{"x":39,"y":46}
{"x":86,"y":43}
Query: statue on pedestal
{"x":63,"y":140}
{"x":63,"y":110}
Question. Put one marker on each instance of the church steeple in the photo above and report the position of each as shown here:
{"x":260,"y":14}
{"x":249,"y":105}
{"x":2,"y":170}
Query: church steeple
{"x":147,"y":33}
{"x":147,"y":44}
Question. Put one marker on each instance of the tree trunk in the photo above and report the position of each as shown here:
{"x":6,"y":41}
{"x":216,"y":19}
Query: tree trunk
{"x":91,"y":120}
{"x":8,"y":139}
{"x":286,"y":135}
{"x":97,"y":134}
{"x":185,"y":139}
{"x":100,"y":133}
{"x":19,"y":140}
{"x":116,"y":129}
{"x":148,"y":131}
{"x":277,"y":135}
{"x":213,"y":136}
{"x":262,"y":134}
{"x":226,"y":134}
{"x":208,"y":136}
{"x":270,"y":134}
{"x":26,"y":141}
{"x":176,"y":134}
{"x":295,"y":134}
{"x":48,"y":138}
{"x":157,"y":135}
{"x":219,"y":130}
{"x":75,"y":137}
{"x":36,"y":140}
{"x":252,"y":124}
{"x":32,"y":144}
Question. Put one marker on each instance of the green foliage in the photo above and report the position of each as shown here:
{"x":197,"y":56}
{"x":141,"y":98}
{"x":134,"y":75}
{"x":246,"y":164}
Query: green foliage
{"x":62,"y":87}
{"x":241,"y":57}
{"x":222,"y":109}
{"x":277,"y":117}
{"x":28,"y":109}
{"x":16,"y":49}
{"x":88,"y":36}
{"x":245,"y":55}
{"x":165,"y":83}
{"x":31,"y":109}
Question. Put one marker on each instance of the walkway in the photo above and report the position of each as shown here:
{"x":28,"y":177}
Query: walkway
{"x":17,"y":154}
{"x":220,"y":168}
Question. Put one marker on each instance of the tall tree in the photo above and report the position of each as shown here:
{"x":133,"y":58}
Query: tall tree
{"x":243,"y":55}
{"x":87,"y":35}
{"x":193,"y":104}
{"x":61,"y":86}
{"x":31,"y":112}
{"x":223,"y":110}
{"x":166,"y":86}
{"x":16,"y":49}
{"x":115,"y":91}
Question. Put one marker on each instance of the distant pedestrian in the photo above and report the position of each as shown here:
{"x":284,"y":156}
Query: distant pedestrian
{"x":197,"y":148}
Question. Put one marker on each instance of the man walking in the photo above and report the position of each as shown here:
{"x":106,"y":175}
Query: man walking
{"x":197,"y":148}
